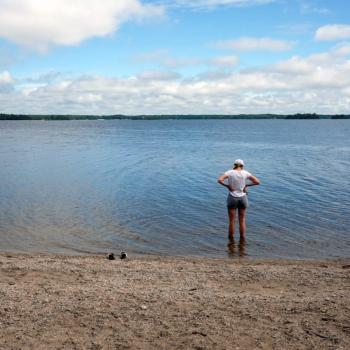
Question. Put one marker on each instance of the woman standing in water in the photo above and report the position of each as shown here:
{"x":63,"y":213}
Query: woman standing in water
{"x":237,"y":197}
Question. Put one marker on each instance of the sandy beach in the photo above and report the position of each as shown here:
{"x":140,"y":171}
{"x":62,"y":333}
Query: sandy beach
{"x":89,"y":302}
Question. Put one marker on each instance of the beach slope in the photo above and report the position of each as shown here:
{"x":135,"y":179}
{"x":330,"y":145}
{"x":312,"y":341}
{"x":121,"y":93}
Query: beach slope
{"x":89,"y":302}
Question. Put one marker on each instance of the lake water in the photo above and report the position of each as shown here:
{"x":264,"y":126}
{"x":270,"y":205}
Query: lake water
{"x":150,"y":187}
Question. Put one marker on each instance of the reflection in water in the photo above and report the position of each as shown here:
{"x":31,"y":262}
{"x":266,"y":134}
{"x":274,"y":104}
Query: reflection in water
{"x":235,"y":250}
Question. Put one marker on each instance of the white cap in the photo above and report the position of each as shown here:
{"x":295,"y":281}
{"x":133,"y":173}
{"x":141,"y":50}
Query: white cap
{"x":239,"y":162}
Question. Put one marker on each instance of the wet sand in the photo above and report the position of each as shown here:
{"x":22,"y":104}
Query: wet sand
{"x":89,"y":302}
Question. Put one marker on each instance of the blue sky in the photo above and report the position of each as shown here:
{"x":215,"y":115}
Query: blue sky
{"x":168,"y":57}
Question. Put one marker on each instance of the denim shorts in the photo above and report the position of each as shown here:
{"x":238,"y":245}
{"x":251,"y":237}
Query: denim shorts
{"x":237,"y":202}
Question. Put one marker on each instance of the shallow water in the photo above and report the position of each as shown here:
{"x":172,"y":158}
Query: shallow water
{"x":150,"y":187}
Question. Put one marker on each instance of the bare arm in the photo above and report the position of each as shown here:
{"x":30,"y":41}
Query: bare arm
{"x":221,"y":181}
{"x":254,"y":182}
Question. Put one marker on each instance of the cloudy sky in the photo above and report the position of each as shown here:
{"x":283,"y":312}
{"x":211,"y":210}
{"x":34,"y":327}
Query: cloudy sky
{"x":172,"y":57}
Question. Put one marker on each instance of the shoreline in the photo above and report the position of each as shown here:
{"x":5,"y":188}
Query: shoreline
{"x":150,"y":255}
{"x":244,"y":116}
{"x":236,"y":255}
{"x":61,"y":301}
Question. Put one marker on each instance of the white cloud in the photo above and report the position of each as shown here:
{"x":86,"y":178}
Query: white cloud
{"x":44,"y":78}
{"x":212,"y":75}
{"x":343,"y":49}
{"x":333,"y":32}
{"x":165,"y":59}
{"x":158,"y":76}
{"x":220,"y":61}
{"x":153,"y":56}
{"x":89,"y":98}
{"x":224,"y":61}
{"x":6,"y":78}
{"x":210,"y":4}
{"x":40,"y":24}
{"x":6,"y":82}
{"x":317,"y":83}
{"x":307,"y":8}
{"x":177,"y":62}
{"x":294,"y":28}
{"x":255,"y":44}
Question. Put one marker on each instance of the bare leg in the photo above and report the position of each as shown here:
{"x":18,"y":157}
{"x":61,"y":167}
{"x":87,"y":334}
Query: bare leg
{"x":241,"y":247}
{"x":242,"y":225}
{"x":231,"y":217}
{"x":231,"y":247}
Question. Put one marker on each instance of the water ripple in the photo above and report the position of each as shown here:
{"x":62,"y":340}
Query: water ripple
{"x":150,"y":187}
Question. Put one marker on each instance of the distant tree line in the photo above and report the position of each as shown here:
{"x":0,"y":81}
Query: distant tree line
{"x":303,"y":116}
{"x":4,"y":116}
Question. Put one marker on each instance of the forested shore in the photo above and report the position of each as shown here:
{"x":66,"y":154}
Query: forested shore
{"x":4,"y":116}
